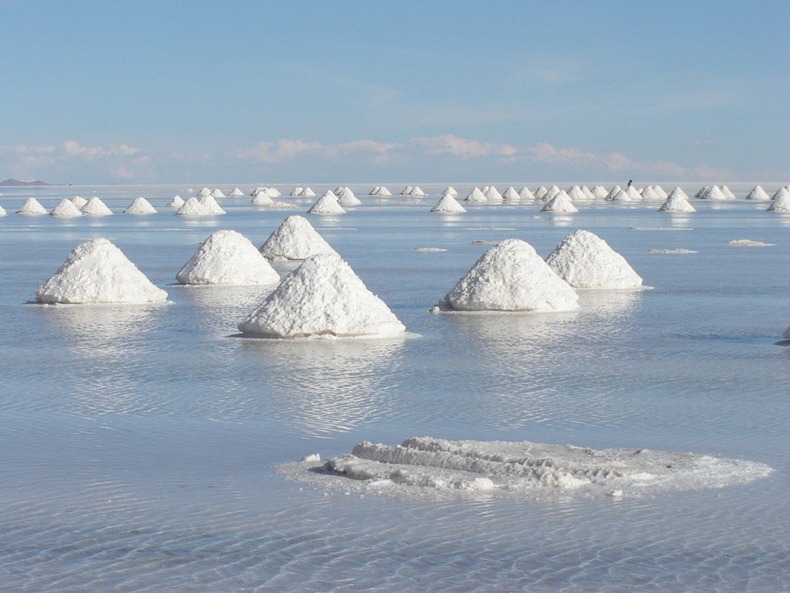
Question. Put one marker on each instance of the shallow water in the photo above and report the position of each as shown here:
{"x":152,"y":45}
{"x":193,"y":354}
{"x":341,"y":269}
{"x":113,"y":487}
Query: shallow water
{"x":140,"y":444}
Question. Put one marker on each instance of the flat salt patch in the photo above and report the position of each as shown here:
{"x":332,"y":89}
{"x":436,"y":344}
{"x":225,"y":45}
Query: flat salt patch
{"x":748,"y":243}
{"x":427,"y":467}
{"x":295,"y":239}
{"x":677,"y":251}
{"x":429,"y":249}
{"x":31,"y":207}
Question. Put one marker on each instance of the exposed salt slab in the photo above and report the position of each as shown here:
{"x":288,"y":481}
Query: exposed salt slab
{"x":175,"y":203}
{"x":748,"y":243}
{"x":211,"y":205}
{"x":236,"y":193}
{"x":428,"y":466}
{"x":95,"y":207}
{"x":31,"y":207}
{"x":584,"y":260}
{"x":227,"y":257}
{"x":560,"y":203}
{"x":781,"y":202}
{"x":79,"y":201}
{"x":98,"y":272}
{"x":447,"y":204}
{"x":327,"y":204}
{"x":323,"y":297}
{"x":677,"y":251}
{"x":295,"y":239}
{"x":65,"y":208}
{"x":193,"y":207}
{"x":347,"y":198}
{"x":430,"y":250}
{"x":510,"y":276}
{"x":677,"y":201}
{"x":476,"y":196}
{"x":140,"y":206}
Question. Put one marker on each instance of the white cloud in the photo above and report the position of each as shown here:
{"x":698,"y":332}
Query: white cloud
{"x":75,"y":149}
{"x":463,"y":147}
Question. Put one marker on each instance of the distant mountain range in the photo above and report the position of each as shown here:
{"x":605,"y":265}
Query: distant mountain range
{"x":17,"y":183}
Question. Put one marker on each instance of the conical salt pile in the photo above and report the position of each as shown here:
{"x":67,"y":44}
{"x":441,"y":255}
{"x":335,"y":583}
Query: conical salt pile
{"x":560,"y":203}
{"x":550,"y":193}
{"x":511,"y":276}
{"x":31,"y":207}
{"x":541,"y":192}
{"x":2,"y":211}
{"x":140,"y":206}
{"x":526,"y":194}
{"x":297,"y":191}
{"x":236,"y":193}
{"x":175,"y":203}
{"x":727,"y":192}
{"x":322,"y":297}
{"x":712,"y":193}
{"x":758,"y":193}
{"x":295,"y":239}
{"x":326,"y":204}
{"x":65,"y":208}
{"x":511,"y":195}
{"x":98,"y":272}
{"x":677,"y":201}
{"x":308,"y":193}
{"x":193,"y":207}
{"x":781,"y":202}
{"x":204,"y":192}
{"x":492,"y":195}
{"x":599,"y":191}
{"x":79,"y":201}
{"x":650,"y":195}
{"x":450,"y":190}
{"x":217,"y":193}
{"x":211,"y":205}
{"x":95,"y":207}
{"x":347,"y":198}
{"x":476,"y":197}
{"x":447,"y":204}
{"x":227,"y":257}
{"x":584,"y":260}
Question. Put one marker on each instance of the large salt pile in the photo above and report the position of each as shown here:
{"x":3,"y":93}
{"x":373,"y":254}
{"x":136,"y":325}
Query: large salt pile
{"x":759,"y":194}
{"x":65,"y":208}
{"x":140,"y":206}
{"x":98,"y":272}
{"x":447,"y":204}
{"x":227,"y":257}
{"x":781,"y":202}
{"x":95,"y":207}
{"x":476,"y":196}
{"x":31,"y":207}
{"x":347,"y":199}
{"x":510,"y":276}
{"x":584,"y":260}
{"x":560,"y":203}
{"x":211,"y":205}
{"x":428,"y":466}
{"x":295,"y":239}
{"x":326,"y":204}
{"x":323,"y":297}
{"x":193,"y":207}
{"x":677,"y":201}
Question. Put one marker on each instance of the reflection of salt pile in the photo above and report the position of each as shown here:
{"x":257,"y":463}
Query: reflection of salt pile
{"x":781,"y":202}
{"x":327,"y":204}
{"x":95,"y":207}
{"x":584,"y":260}
{"x":322,"y":297}
{"x":561,"y":202}
{"x":98,"y":272}
{"x":31,"y":207}
{"x":227,"y":257}
{"x":295,"y":239}
{"x":523,"y":469}
{"x":511,"y":276}
{"x":677,"y":201}
{"x":140,"y":206}
{"x":65,"y":208}
{"x":447,"y":204}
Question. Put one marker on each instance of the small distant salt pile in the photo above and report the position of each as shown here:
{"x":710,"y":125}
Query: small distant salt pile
{"x":347,"y":198}
{"x":217,"y":193}
{"x":550,"y":193}
{"x":204,"y":192}
{"x":610,"y":197}
{"x":758,"y":194}
{"x":450,"y":190}
{"x":526,"y":194}
{"x":541,"y":192}
{"x":31,"y":207}
{"x":211,"y":205}
{"x":510,"y":276}
{"x":95,"y":207}
{"x":779,"y":191}
{"x":79,"y":201}
{"x":308,"y":192}
{"x":236,"y":193}
{"x":380,"y":190}
{"x":175,"y":203}
{"x":2,"y":211}
{"x":327,"y":204}
{"x":727,"y":193}
{"x":98,"y":272}
{"x":560,"y":203}
{"x":584,"y":260}
{"x":511,"y":195}
{"x":193,"y":207}
{"x":227,"y":257}
{"x":476,"y":197}
{"x":140,"y":206}
{"x":295,"y":239}
{"x":712,"y":192}
{"x":406,"y":191}
{"x":599,"y":191}
{"x":65,"y":208}
{"x":447,"y":204}
{"x":323,"y":297}
{"x":781,"y":202}
{"x":261,"y":197}
{"x":297,"y":191}
{"x":620,"y":195}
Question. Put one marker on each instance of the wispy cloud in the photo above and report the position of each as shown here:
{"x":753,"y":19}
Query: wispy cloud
{"x":289,"y":149}
{"x":463,"y":147}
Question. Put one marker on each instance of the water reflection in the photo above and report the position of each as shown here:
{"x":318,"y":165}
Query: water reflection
{"x":221,"y":308}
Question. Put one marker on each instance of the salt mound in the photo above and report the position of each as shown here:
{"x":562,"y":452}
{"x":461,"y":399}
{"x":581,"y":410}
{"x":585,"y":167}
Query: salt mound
{"x":65,"y":208}
{"x":327,"y":204}
{"x":2,"y":211}
{"x":541,"y":192}
{"x":727,"y":193}
{"x":31,"y":207}
{"x":511,"y":195}
{"x":476,"y":196}
{"x":176,"y":202}
{"x":322,"y":297}
{"x":711,"y":192}
{"x":492,"y":195}
{"x":550,"y":193}
{"x":210,"y":204}
{"x":204,"y":192}
{"x":261,"y":198}
{"x":98,"y":272}
{"x":560,"y":203}
{"x":677,"y":201}
{"x":95,"y":207}
{"x":308,"y":192}
{"x":787,"y":333}
{"x":140,"y":206}
{"x":511,"y":276}
{"x":781,"y":202}
{"x":439,"y":467}
{"x":650,"y":195}
{"x":193,"y":207}
{"x":347,"y":198}
{"x":79,"y":201}
{"x":576,"y":194}
{"x":779,"y":191}
{"x":450,"y":190}
{"x":599,"y":191}
{"x":227,"y":257}
{"x":236,"y":193}
{"x":447,"y":204}
{"x":297,"y":191}
{"x":526,"y":194}
{"x":758,"y":193}
{"x":217,"y":193}
{"x":295,"y":239}
{"x":380,"y":190}
{"x":584,"y":260}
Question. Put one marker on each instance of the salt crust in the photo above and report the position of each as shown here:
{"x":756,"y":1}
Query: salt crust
{"x":327,"y":204}
{"x":227,"y":257}
{"x":584,"y":260}
{"x":748,"y":243}
{"x":295,"y":239}
{"x":31,"y":207}
{"x":510,"y":276}
{"x":98,"y":272}
{"x":672,"y":251}
{"x":428,"y":467}
{"x":66,"y":208}
{"x":140,"y":206}
{"x":323,"y":297}
{"x":447,"y":204}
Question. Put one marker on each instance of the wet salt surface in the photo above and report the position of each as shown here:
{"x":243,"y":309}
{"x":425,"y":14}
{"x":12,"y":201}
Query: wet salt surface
{"x":140,"y":444}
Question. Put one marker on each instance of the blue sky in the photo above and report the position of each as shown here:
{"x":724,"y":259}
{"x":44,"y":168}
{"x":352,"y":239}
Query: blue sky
{"x":417,"y":91}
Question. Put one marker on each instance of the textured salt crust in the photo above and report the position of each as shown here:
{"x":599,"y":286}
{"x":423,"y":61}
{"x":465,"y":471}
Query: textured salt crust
{"x":427,"y":467}
{"x":32,"y":207}
{"x":98,"y":272}
{"x":323,"y":297}
{"x":140,"y":206}
{"x":748,"y":243}
{"x":510,"y":276}
{"x":429,"y":249}
{"x":447,"y":204}
{"x":227,"y":257}
{"x":584,"y":260}
{"x":66,"y":208}
{"x":295,"y":239}
{"x":326,"y":204}
{"x":672,"y":251}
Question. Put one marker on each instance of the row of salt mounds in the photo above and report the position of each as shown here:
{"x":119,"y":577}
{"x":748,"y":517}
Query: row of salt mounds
{"x":66,"y":208}
{"x":510,"y":276}
{"x":227,"y":257}
{"x":422,"y":465}
{"x":295,"y":239}
{"x":323,"y":297}
{"x":677,"y":201}
{"x":447,"y":204}
{"x":31,"y":207}
{"x":346,"y":197}
{"x":584,"y":260}
{"x":380,"y":190}
{"x":781,"y":202}
{"x":326,"y":204}
{"x":560,"y":203}
{"x":412,"y":190}
{"x":302,"y":192}
{"x":140,"y":206}
{"x":98,"y":272}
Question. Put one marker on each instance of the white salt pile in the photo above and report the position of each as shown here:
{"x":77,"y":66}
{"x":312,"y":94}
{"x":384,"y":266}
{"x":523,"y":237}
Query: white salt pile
{"x":65,"y":208}
{"x":541,"y":192}
{"x":140,"y":206}
{"x":327,"y":204}
{"x":95,"y":207}
{"x":748,"y":243}
{"x":711,"y":192}
{"x":526,"y":194}
{"x":511,"y":195}
{"x":599,"y":191}
{"x":650,"y":195}
{"x":576,"y":194}
{"x":193,"y":207}
{"x":323,"y":297}
{"x":217,"y":193}
{"x":211,"y":205}
{"x":727,"y":193}
{"x":450,"y":190}
{"x":175,"y":203}
{"x":227,"y":257}
{"x":550,"y":193}
{"x":447,"y":204}
{"x":759,"y":194}
{"x":584,"y":260}
{"x":610,"y":197}
{"x":492,"y":195}
{"x":295,"y":239}
{"x":236,"y":193}
{"x":308,"y":192}
{"x":781,"y":202}
{"x":204,"y":192}
{"x":297,"y":191}
{"x":476,"y":197}
{"x":561,"y":202}
{"x":677,"y":251}
{"x":779,"y":191}
{"x":380,"y":190}
{"x":437,"y":468}
{"x":79,"y":201}
{"x":2,"y":211}
{"x":677,"y":201}
{"x":510,"y":276}
{"x":347,"y":199}
{"x":31,"y":207}
{"x":98,"y":272}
